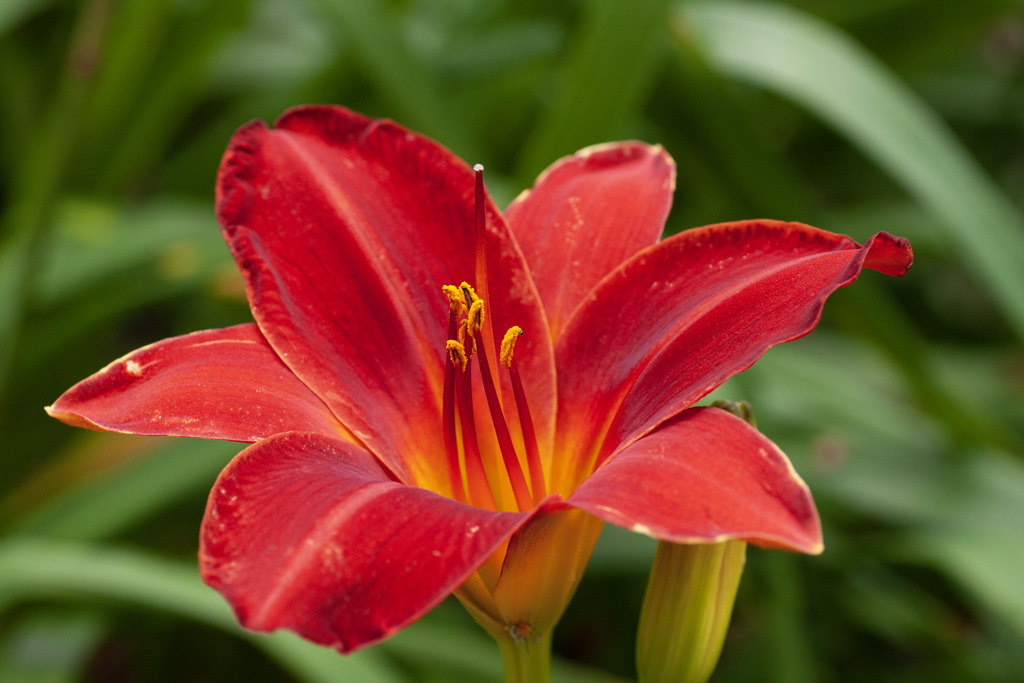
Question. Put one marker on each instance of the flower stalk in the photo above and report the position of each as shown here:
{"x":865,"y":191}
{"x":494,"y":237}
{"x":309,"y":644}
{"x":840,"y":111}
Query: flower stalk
{"x":526,"y":657}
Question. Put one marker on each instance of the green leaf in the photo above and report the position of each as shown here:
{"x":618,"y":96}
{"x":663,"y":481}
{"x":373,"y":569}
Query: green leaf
{"x":986,"y":562}
{"x":820,"y":68}
{"x":50,"y":646}
{"x":25,"y":218}
{"x":13,"y":11}
{"x":173,"y":90}
{"x":876,"y":454}
{"x":410,"y":87}
{"x":36,"y":568}
{"x":108,"y":504}
{"x":93,"y":240}
{"x":605,"y":80}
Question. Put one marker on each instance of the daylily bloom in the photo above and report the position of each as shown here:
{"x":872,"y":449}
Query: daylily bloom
{"x":404,"y":446}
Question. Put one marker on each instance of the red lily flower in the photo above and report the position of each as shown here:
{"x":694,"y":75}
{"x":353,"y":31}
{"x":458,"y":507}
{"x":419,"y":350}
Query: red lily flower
{"x":395,"y":460}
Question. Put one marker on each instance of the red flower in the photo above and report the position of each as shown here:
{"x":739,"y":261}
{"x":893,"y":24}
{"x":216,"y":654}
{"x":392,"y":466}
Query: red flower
{"x":366,"y":497}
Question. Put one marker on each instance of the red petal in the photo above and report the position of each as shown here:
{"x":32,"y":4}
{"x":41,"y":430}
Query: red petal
{"x":682,"y":317}
{"x":346,"y":229}
{"x":588,"y":213}
{"x":216,"y":384}
{"x":311,"y":534}
{"x":705,"y":477}
{"x":889,"y":254}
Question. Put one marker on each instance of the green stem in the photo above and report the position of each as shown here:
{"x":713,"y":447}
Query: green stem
{"x":526,"y":659}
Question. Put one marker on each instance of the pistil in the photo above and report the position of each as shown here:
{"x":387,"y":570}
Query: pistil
{"x":480,"y":237}
{"x":480,"y":233}
{"x":467,"y":472}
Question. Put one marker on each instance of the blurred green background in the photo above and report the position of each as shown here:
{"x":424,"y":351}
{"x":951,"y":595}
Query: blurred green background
{"x":903,"y":410}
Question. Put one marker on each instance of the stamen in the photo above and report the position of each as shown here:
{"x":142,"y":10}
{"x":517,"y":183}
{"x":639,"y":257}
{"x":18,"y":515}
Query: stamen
{"x":457,"y":353}
{"x":456,"y":302}
{"x":466,"y":337}
{"x":481,"y":491}
{"x":451,"y":446}
{"x":468,"y":294}
{"x":473,"y":334}
{"x":455,"y":307}
{"x":508,"y":452}
{"x":508,"y":345}
{"x":476,"y":314}
{"x":533,"y":463}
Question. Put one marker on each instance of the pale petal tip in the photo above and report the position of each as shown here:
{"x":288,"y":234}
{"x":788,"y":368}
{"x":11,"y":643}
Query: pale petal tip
{"x":59,"y":413}
{"x":71,"y":418}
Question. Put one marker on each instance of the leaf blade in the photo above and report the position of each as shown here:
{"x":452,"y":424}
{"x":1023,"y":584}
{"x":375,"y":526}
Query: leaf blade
{"x":818,"y":67}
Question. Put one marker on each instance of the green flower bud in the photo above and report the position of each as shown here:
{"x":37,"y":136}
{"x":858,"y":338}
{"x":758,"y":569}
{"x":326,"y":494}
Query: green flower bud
{"x":686,"y":610}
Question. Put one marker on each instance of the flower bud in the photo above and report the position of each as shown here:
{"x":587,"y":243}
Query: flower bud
{"x":686,"y":610}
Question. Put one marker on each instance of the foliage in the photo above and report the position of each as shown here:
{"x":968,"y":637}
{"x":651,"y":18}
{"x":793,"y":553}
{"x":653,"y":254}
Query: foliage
{"x":904,"y":410}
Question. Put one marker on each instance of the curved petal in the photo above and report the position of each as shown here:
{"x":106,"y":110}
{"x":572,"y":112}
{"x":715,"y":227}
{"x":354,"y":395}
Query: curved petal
{"x":312,"y":534}
{"x":215,"y":384}
{"x":588,"y":213}
{"x":680,"y":318}
{"x":346,"y":229}
{"x":705,"y":477}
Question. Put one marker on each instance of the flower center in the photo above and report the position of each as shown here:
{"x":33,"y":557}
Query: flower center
{"x":468,"y":477}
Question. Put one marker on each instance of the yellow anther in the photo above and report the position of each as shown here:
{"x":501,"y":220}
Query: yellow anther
{"x":466,"y":337}
{"x":476,"y":314}
{"x":456,"y":300}
{"x":508,"y":344}
{"x":457,"y":353}
{"x":468,"y":294}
